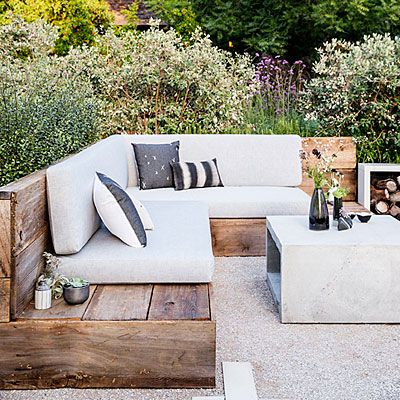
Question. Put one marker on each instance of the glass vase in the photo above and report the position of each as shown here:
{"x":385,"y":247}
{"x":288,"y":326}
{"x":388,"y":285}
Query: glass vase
{"x":337,"y":205}
{"x":319,"y":215}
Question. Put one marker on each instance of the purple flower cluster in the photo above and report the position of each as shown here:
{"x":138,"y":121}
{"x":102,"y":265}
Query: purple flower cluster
{"x":279,"y":83}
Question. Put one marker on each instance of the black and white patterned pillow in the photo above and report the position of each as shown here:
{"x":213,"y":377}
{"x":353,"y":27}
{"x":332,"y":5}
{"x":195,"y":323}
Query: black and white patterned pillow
{"x":188,"y":175}
{"x":118,"y":212}
{"x":153,"y":162}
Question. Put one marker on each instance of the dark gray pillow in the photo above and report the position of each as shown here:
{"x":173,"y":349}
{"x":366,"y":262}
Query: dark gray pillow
{"x":154,"y":164}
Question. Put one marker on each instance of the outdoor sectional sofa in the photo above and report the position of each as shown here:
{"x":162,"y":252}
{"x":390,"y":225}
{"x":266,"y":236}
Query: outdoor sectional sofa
{"x":260,"y":175}
{"x":150,"y":317}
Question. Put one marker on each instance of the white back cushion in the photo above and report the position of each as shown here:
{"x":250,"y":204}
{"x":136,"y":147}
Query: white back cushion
{"x":73,"y":217}
{"x":243,"y":160}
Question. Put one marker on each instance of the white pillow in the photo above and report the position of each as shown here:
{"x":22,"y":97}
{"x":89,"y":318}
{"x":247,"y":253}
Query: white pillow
{"x":143,"y":213}
{"x":118,"y":212}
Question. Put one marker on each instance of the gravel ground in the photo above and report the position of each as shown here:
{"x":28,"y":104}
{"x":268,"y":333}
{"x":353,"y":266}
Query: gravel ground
{"x":320,"y":362}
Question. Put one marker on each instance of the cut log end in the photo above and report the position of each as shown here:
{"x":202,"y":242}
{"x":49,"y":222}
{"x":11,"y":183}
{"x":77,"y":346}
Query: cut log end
{"x":389,"y":184}
{"x":382,"y":207}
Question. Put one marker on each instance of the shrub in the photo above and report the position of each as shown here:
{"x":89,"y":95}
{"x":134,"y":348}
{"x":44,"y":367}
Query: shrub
{"x":22,"y":40}
{"x":274,"y":107}
{"x":77,"y":20}
{"x":46,"y":111}
{"x":152,"y":82}
{"x":356,"y":92}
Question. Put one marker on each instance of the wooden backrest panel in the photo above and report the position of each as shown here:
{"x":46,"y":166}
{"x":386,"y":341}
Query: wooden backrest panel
{"x":345,"y":161}
{"x":24,"y":225}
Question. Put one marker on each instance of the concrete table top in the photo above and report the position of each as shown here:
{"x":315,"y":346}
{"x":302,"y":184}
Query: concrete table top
{"x":381,"y":230}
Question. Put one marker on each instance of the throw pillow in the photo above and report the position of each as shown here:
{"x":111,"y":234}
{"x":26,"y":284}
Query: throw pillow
{"x":200,"y":174}
{"x":153,"y":163}
{"x":118,"y":212}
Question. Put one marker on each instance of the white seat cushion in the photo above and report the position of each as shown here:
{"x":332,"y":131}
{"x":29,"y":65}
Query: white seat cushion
{"x":178,"y":250}
{"x":236,"y":201}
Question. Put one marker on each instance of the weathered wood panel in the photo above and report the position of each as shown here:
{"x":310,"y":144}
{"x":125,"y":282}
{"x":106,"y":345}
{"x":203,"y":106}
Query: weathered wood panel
{"x":238,"y":237}
{"x":5,"y":238}
{"x":28,"y":265}
{"x":5,"y":284}
{"x":119,"y":303}
{"x":180,"y":302}
{"x":344,"y":148}
{"x":345,"y":162}
{"x":59,"y":310}
{"x":28,"y":235}
{"x":350,"y":181}
{"x":246,"y":237}
{"x":29,"y":209}
{"x":88,"y":354}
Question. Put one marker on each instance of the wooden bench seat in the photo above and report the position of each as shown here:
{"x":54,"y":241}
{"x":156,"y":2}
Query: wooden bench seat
{"x":123,"y":336}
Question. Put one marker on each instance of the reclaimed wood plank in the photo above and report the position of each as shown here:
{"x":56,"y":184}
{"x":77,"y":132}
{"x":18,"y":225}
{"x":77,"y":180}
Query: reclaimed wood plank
{"x":349,"y":181}
{"x":30,"y":212}
{"x":5,"y":287}
{"x":180,"y":302}
{"x":238,"y":237}
{"x":344,"y":147}
{"x":59,"y":310}
{"x":119,"y":303}
{"x":28,"y":266}
{"x":5,"y":238}
{"x":100,"y":354}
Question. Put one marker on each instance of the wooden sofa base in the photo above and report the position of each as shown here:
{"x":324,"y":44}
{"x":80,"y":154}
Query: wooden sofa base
{"x":245,"y":237}
{"x":126,"y":336}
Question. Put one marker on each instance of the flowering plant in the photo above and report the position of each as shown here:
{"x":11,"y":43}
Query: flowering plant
{"x":279,"y":83}
{"x":318,"y":166}
{"x":51,"y":276}
{"x":336,"y":187}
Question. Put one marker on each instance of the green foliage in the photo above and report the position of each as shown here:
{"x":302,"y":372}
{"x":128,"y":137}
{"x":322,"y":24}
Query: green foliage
{"x":46,"y":111}
{"x":261,"y":119}
{"x":77,"y":282}
{"x":356,"y":92}
{"x":22,"y":40}
{"x":154,"y":82}
{"x":293,"y":28}
{"x":54,"y":280}
{"x":177,"y":13}
{"x":78,"y":20}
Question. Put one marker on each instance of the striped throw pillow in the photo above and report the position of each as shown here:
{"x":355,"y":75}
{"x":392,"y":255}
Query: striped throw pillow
{"x":188,"y":175}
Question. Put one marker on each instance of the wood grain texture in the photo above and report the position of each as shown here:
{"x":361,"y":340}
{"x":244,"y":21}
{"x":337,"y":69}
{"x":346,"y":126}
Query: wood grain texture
{"x":30,"y":211}
{"x":344,"y":147}
{"x":119,"y":303}
{"x":28,"y":265}
{"x":238,"y":237}
{"x":59,"y":310}
{"x":350,"y":181}
{"x":246,"y":237}
{"x":5,"y":238}
{"x":345,"y":162}
{"x":88,"y":354}
{"x":5,"y":288}
{"x":180,"y":302}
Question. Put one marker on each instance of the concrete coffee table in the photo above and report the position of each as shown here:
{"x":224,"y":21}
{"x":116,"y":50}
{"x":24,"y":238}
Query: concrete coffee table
{"x":334,"y":277}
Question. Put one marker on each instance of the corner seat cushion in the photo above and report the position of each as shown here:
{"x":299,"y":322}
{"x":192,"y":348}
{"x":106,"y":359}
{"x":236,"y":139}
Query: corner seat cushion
{"x":235,"y":201}
{"x":178,"y":250}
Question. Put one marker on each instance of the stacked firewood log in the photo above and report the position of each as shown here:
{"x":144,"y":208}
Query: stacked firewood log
{"x":385,"y":196}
